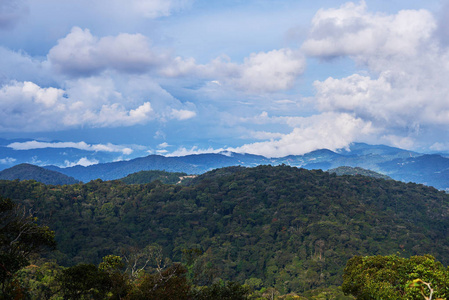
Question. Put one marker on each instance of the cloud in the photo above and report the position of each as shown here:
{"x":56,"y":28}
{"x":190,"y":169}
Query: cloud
{"x":163,"y":145}
{"x":404,"y":88}
{"x":328,"y":130}
{"x":269,"y":71}
{"x":29,"y":145}
{"x":25,"y":106}
{"x":82,"y":54}
{"x":182,"y":114}
{"x":11,"y":11}
{"x":352,"y":30}
{"x":182,"y":151}
{"x":258,"y":73}
{"x":84,"y":161}
{"x":7,"y":161}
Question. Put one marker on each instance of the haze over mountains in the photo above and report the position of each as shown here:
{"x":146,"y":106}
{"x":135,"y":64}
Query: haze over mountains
{"x":399,"y":164}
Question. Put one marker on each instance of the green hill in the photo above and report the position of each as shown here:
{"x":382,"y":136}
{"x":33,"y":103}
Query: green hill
{"x":32,"y":172}
{"x":286,"y":227}
{"x":357,"y":171}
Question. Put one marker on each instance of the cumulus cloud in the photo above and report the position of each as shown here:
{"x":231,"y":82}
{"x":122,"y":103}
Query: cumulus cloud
{"x":405,"y":87}
{"x":328,"y":130}
{"x":258,"y":73}
{"x":81,"y":53}
{"x":25,"y":106}
{"x":352,"y":30}
{"x":28,"y":145}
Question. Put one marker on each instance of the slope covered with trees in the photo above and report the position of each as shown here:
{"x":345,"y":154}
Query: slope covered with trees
{"x":281,"y":227}
{"x":32,"y":172}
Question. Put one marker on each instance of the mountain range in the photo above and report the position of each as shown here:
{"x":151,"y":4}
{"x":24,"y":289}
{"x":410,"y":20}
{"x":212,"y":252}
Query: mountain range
{"x":399,"y":164}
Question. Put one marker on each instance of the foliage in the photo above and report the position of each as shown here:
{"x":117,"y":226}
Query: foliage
{"x":344,"y":170}
{"x":393,"y":277}
{"x":85,"y":281}
{"x":32,"y":172}
{"x":292,"y":229}
{"x":20,"y":237}
{"x":143,"y":177}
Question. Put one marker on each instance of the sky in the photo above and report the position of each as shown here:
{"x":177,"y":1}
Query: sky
{"x":267,"y":77}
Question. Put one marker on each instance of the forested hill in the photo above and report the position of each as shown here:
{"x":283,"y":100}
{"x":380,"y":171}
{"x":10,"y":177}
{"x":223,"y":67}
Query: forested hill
{"x":32,"y":172}
{"x":290,"y":228}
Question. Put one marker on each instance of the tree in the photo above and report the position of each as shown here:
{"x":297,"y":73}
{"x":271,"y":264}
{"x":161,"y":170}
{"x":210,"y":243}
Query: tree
{"x":85,"y":281}
{"x":393,"y":277}
{"x":20,"y":236}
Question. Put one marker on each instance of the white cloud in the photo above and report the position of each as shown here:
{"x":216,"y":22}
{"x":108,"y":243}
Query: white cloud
{"x":182,"y":151}
{"x":80,"y":145}
{"x":84,"y":161}
{"x":81,"y":53}
{"x":26,"y":106}
{"x":328,"y":130}
{"x":182,"y":114}
{"x":259,"y":73}
{"x":352,"y":30}
{"x":163,"y":145}
{"x":405,"y":87}
{"x":7,"y":160}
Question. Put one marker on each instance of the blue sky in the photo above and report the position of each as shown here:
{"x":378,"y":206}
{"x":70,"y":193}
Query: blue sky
{"x":269,"y":77}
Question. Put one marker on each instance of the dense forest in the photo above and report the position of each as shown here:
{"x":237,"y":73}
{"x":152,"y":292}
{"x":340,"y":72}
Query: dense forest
{"x":267,"y":227}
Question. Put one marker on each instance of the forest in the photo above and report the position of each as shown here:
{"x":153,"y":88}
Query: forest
{"x":279,"y":232}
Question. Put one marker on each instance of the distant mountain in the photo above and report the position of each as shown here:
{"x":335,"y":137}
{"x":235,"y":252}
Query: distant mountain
{"x":357,"y":171}
{"x":31,"y":172}
{"x":399,"y":164}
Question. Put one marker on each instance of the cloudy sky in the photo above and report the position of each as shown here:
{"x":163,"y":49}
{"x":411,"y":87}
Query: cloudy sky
{"x":269,"y":77}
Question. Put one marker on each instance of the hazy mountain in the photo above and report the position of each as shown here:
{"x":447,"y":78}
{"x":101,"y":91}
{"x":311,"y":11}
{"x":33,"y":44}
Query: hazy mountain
{"x":397,"y":163}
{"x":27,"y":172}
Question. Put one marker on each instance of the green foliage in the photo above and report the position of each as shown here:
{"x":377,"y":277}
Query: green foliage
{"x":393,"y":277}
{"x":353,"y":171}
{"x":291,"y":228}
{"x":143,"y":177}
{"x":32,"y":172}
{"x":85,"y":281}
{"x":20,"y":237}
{"x":222,"y":291}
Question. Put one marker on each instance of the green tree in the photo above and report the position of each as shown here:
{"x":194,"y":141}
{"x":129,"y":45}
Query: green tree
{"x":85,"y":281}
{"x":20,"y":236}
{"x":393,"y":277}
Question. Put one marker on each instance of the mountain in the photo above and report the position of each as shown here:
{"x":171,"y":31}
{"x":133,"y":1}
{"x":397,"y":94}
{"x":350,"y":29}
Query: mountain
{"x":399,"y":164}
{"x":28,"y":172}
{"x":285,"y":227}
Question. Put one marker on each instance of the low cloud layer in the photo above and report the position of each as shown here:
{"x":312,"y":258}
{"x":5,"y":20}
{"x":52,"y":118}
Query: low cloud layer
{"x":29,"y":145}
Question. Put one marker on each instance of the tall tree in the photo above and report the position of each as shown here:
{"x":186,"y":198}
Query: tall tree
{"x":20,"y":236}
